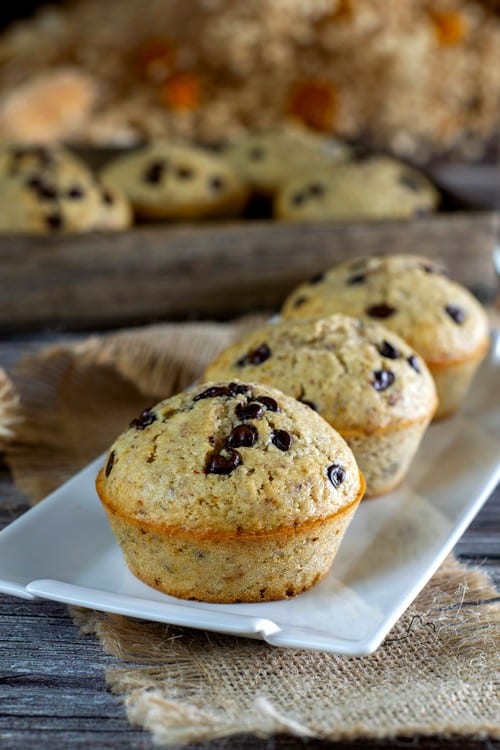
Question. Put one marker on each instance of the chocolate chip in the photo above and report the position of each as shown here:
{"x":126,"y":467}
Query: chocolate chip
{"x":154,"y":172}
{"x":316,"y":278}
{"x":300,"y":301}
{"x":216,"y":183}
{"x":413,"y":362}
{"x":222,"y":463}
{"x":336,"y":474}
{"x":298,"y":199}
{"x":256,"y":153}
{"x":433,"y":268}
{"x":381,"y":310}
{"x":43,"y":190}
{"x":231,"y":389}
{"x":243,"y":435}
{"x":253,"y":410}
{"x":316,"y":189}
{"x":382,"y":379}
{"x":310,"y":404}
{"x":358,"y":278}
{"x":281,"y":439}
{"x":411,"y":181}
{"x":456,"y":313}
{"x":268,"y":402}
{"x":184,"y":173}
{"x":107,"y":198}
{"x":75,"y":193}
{"x":237,"y":388}
{"x":255,"y":357}
{"x":144,"y":419}
{"x":388,"y":350}
{"x":54,"y":221}
{"x":109,"y":464}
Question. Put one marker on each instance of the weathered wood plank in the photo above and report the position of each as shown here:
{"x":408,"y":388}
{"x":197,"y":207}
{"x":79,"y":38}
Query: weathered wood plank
{"x":213,"y":270}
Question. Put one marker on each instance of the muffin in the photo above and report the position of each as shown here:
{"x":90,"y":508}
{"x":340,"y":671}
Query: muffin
{"x":231,"y":492}
{"x":49,"y":190}
{"x":165,"y":180}
{"x":412,"y":297}
{"x":267,"y":160}
{"x":362,"y":379}
{"x":378,"y":188}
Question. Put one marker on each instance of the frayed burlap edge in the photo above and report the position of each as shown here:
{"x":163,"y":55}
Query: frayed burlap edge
{"x":9,"y":409}
{"x":433,"y":675}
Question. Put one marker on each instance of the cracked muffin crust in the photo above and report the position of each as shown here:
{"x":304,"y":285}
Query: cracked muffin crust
{"x":361,"y":378}
{"x":230,"y":492}
{"x":413,"y":297}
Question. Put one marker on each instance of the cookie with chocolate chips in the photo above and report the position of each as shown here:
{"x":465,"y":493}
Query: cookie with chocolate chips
{"x":174,"y":181}
{"x":268,"y":160}
{"x":49,"y":191}
{"x":360,"y":377}
{"x":378,"y":188}
{"x":230,"y":492}
{"x":413,"y":297}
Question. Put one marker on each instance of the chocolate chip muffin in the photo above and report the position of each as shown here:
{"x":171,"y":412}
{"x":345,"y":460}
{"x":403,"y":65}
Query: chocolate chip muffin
{"x":267,"y":160}
{"x":174,"y":181}
{"x":231,"y":492}
{"x":413,"y":297}
{"x":378,"y":188}
{"x":52,"y":203}
{"x":48,"y":190}
{"x":363,"y":379}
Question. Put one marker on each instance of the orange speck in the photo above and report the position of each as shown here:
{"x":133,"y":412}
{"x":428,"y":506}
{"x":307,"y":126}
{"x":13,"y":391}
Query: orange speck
{"x":344,"y":11}
{"x":181,"y":91}
{"x":450,"y":27}
{"x":314,"y":103}
{"x":155,"y":59}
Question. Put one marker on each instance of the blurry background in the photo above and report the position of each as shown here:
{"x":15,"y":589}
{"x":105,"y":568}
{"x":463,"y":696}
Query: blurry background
{"x":418,"y":78}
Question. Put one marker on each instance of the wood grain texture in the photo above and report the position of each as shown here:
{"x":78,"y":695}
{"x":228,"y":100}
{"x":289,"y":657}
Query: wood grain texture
{"x":213,"y":270}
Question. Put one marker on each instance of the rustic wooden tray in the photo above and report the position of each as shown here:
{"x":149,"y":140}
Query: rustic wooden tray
{"x":214,"y":270}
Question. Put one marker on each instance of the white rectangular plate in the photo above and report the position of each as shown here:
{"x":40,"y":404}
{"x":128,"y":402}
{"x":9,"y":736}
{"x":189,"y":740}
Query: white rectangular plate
{"x":63,"y":548}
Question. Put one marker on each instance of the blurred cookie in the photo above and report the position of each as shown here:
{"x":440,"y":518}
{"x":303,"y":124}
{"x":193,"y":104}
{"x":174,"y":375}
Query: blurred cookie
{"x":267,"y":160}
{"x":378,"y":188}
{"x":47,"y":202}
{"x":171,"y":181}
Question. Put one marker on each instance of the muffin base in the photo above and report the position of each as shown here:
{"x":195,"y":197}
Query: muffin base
{"x":384,"y":456}
{"x":453,"y":381}
{"x":230,"y":568}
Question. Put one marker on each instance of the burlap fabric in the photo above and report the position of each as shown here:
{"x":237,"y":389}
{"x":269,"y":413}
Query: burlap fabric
{"x":434,"y":674}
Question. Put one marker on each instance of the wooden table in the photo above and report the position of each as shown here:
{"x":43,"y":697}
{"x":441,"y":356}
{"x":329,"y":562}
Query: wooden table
{"x":52,"y":688}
